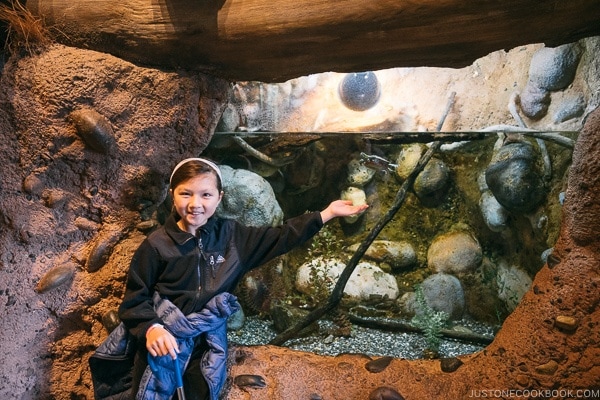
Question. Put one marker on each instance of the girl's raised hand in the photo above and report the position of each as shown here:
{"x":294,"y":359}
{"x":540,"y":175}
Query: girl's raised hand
{"x":342,"y":208}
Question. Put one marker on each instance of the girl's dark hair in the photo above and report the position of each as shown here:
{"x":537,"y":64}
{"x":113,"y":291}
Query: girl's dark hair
{"x":192,"y":169}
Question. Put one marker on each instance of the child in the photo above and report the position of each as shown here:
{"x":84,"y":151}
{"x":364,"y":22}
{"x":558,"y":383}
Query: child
{"x":187,"y":267}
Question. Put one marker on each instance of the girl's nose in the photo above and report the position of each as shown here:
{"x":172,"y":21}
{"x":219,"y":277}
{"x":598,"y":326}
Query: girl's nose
{"x":196,"y":201}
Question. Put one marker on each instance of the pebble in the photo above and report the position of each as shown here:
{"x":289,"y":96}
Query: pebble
{"x":254,"y":381}
{"x":566,"y":323}
{"x":378,"y":365}
{"x":56,"y":277}
{"x":450,"y":364}
{"x":364,"y":340}
{"x":102,"y":249}
{"x":110,"y":320}
{"x":548,"y":368}
{"x":94,"y":129}
{"x":385,"y":393}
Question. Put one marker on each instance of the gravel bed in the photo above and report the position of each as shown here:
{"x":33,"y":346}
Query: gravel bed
{"x":363,"y":340}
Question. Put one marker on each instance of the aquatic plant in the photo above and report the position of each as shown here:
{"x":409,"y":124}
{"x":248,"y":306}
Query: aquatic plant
{"x":430,"y":321}
{"x":324,"y":244}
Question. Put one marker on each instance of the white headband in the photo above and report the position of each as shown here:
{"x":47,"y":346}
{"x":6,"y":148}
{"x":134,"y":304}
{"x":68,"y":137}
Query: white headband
{"x":202,"y":160}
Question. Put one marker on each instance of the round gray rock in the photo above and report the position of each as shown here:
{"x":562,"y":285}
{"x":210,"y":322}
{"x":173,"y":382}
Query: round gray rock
{"x":515,"y":179}
{"x":248,"y":198}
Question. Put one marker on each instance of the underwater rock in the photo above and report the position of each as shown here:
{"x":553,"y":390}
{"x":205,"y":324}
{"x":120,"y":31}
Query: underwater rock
{"x":248,"y":198}
{"x":56,"y":277}
{"x":454,"y":252}
{"x":94,"y":129}
{"x":494,"y":215}
{"x":285,"y":316}
{"x":431,"y":185}
{"x":408,"y":159}
{"x":263,"y":169}
{"x":554,"y":68}
{"x":236,"y":320}
{"x":366,"y":279}
{"x":385,"y":393}
{"x":442,"y":292}
{"x":399,"y":255}
{"x":515,"y":178}
{"x":357,"y":196}
{"x":305,"y":173}
{"x":512,"y":284}
{"x":534,"y":101}
{"x":359,"y":174}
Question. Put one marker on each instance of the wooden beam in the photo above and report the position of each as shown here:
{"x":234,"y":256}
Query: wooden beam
{"x":275,"y":40}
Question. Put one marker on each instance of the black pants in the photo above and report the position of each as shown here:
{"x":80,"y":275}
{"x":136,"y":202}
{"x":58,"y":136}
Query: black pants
{"x":194,"y":385}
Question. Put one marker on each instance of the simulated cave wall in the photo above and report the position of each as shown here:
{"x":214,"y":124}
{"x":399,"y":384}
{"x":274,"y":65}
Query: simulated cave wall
{"x":89,"y":141}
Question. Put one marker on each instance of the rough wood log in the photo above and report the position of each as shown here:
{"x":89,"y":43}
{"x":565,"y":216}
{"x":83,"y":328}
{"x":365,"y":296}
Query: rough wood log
{"x":273,"y":41}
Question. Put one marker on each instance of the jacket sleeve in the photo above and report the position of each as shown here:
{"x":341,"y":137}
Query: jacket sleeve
{"x":259,"y":245}
{"x":137,"y":308}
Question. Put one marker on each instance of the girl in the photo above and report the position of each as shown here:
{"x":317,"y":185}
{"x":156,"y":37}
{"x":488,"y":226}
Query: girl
{"x":188,"y":266}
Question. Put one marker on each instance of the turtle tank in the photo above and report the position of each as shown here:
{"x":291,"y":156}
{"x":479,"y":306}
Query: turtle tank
{"x":461,"y":216}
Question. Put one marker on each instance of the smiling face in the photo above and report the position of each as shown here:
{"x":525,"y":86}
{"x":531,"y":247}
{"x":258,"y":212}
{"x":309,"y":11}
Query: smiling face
{"x":196,"y":200}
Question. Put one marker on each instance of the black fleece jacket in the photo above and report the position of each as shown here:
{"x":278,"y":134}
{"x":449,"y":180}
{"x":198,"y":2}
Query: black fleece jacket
{"x":189,"y":270}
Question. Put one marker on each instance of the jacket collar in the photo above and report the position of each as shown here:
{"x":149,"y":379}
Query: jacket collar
{"x":181,"y":237}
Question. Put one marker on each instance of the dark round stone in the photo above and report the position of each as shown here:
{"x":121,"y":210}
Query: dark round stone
{"x":360,"y":91}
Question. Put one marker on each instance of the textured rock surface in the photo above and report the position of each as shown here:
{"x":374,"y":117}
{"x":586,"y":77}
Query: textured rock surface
{"x":67,"y":210}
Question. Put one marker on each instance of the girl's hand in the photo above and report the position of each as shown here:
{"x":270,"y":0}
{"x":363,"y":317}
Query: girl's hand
{"x":160,"y":342}
{"x":342,"y":208}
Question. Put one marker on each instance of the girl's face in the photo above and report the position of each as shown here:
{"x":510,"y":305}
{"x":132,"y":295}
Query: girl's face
{"x":196,"y":200}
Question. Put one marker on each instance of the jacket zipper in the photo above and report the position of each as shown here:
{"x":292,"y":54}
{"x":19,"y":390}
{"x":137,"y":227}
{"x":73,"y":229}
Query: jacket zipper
{"x":210,"y":260}
{"x":201,"y":253}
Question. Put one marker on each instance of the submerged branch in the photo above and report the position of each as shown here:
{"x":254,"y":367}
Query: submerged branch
{"x":397,"y":325}
{"x":261,"y":156}
{"x":338,"y":290}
